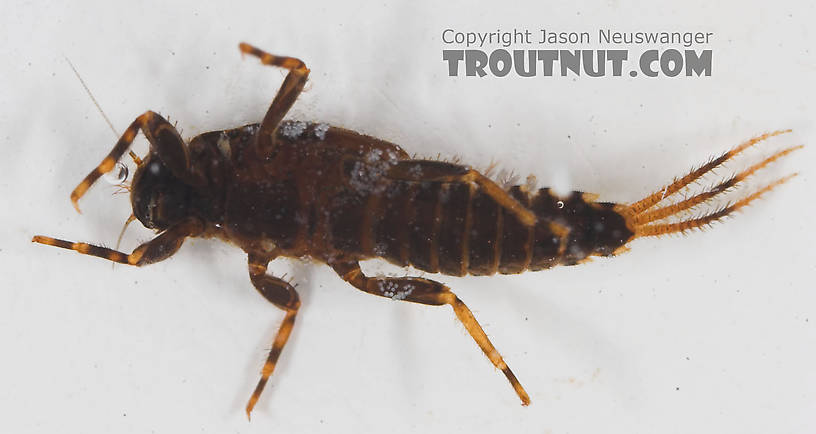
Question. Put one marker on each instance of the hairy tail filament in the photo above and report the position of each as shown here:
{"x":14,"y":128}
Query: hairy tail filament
{"x":683,"y":226}
{"x":670,"y":210}
{"x":651,"y":200}
{"x":640,"y":217}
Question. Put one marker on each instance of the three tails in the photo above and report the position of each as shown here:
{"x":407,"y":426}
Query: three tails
{"x":642,"y":214}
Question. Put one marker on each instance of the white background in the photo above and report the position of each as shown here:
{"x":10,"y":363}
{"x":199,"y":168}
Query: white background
{"x":712,"y":332}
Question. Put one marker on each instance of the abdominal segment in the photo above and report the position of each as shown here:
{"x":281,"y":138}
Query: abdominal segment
{"x":455,"y":228}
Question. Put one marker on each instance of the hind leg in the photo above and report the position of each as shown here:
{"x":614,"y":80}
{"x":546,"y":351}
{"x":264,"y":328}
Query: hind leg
{"x":283,"y":295}
{"x":439,"y":171}
{"x":424,"y":291}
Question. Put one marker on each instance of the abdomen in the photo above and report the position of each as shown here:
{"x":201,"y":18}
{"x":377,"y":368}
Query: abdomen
{"x":456,"y":229}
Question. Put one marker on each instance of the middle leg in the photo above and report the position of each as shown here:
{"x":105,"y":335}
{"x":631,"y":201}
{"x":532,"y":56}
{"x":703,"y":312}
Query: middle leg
{"x":425,"y":291}
{"x":283,"y":295}
{"x":287,"y":94}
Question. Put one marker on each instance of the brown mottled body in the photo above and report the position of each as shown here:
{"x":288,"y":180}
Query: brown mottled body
{"x":330,"y":194}
{"x":289,"y":188}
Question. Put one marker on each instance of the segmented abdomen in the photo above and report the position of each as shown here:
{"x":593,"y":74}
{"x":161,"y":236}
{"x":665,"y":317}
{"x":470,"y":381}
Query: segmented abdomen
{"x":455,"y":228}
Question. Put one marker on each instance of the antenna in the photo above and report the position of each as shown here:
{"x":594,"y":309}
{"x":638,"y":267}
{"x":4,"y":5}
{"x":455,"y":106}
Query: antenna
{"x":81,"y":81}
{"x":98,"y":107}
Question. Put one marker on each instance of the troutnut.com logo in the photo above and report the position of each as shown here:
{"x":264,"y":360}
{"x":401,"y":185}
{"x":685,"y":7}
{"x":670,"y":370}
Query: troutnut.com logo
{"x":546,"y":53}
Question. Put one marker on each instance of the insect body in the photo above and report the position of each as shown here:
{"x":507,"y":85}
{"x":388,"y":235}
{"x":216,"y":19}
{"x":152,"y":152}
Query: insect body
{"x":284,"y":188}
